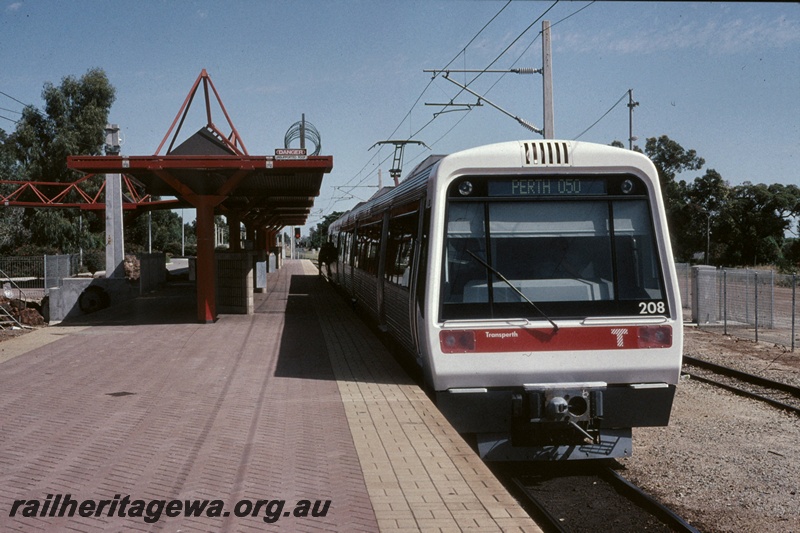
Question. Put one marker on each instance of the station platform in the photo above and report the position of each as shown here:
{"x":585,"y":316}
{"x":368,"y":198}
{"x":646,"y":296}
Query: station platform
{"x":294,"y":418}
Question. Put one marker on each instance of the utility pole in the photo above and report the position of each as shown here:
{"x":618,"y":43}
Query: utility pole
{"x":303,"y":132}
{"x":631,"y":105}
{"x":115,"y":244}
{"x":548,"y":129}
{"x":547,"y":82}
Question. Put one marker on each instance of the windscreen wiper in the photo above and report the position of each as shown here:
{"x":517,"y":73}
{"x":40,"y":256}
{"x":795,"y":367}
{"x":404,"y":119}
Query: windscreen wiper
{"x":503,"y":278}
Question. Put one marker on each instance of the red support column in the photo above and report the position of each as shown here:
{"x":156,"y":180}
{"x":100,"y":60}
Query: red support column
{"x":234,"y":227}
{"x":206,"y":262}
{"x":250,"y":235}
{"x":263,"y":244}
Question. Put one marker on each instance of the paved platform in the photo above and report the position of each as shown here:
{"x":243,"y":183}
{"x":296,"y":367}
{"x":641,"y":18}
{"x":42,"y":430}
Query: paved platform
{"x":252,"y":423}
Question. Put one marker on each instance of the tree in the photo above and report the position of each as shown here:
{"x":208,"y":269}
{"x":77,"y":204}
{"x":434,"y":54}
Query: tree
{"x":754,"y":222}
{"x":706,"y":197}
{"x":164,"y":230}
{"x":735,"y":226}
{"x":670,"y":158}
{"x":319,"y":234}
{"x":73,"y":123}
{"x":11,"y":228}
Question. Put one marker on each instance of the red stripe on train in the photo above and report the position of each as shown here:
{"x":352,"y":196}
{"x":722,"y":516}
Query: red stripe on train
{"x":548,"y":339}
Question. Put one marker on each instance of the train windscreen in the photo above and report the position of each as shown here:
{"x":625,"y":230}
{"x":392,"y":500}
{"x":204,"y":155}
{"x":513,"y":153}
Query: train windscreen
{"x":587,"y":252}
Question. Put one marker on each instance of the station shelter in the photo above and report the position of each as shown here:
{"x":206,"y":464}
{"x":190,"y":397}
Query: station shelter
{"x":215,"y":174}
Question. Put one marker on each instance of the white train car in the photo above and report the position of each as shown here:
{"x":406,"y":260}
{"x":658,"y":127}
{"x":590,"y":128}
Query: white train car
{"x":533,"y":282}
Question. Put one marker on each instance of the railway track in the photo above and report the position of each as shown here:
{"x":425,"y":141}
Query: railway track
{"x":578,"y":498}
{"x":775,"y":393}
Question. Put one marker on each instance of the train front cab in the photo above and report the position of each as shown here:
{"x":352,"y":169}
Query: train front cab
{"x":554,"y":324}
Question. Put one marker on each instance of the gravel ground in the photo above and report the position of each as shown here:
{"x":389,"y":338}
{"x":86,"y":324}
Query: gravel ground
{"x":725,"y":463}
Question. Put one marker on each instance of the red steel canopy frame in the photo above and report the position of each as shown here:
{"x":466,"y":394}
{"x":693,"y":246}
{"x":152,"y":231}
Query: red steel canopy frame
{"x":263,"y":192}
{"x":75,"y":195}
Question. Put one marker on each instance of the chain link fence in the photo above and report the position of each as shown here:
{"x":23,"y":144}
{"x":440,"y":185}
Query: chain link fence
{"x":30,"y":277}
{"x":760,"y":305}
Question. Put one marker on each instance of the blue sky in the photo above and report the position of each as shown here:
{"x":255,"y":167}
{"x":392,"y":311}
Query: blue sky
{"x":720,"y":78}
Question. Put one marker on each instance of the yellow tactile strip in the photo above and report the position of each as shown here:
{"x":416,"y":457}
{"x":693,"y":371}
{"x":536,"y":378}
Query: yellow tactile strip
{"x":420,"y":474}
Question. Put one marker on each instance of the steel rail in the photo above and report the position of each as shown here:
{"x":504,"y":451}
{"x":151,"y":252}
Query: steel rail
{"x":746,"y":378}
{"x":617,"y":484}
{"x":553,"y":523}
{"x":646,"y":501}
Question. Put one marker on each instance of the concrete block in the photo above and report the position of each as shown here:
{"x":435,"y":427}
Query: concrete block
{"x":705,"y":300}
{"x":80,"y":296}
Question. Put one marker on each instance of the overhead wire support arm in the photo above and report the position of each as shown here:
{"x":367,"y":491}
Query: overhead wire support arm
{"x":522,"y":122}
{"x":457,"y":105}
{"x":484,"y":71}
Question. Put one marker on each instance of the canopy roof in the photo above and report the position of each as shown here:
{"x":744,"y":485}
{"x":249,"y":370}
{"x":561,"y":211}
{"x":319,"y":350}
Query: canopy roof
{"x":214,"y":169}
{"x":267,"y":191}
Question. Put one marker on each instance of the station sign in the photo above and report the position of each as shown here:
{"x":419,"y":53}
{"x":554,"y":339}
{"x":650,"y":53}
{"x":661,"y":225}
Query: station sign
{"x":291,"y":153}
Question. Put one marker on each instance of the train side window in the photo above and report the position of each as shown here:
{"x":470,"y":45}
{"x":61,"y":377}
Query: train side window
{"x":400,"y":248}
{"x":345,"y":255}
{"x":368,"y":241}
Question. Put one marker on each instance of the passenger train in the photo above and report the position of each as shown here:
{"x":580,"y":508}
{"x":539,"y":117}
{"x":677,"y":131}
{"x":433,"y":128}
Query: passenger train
{"x":534,"y":285}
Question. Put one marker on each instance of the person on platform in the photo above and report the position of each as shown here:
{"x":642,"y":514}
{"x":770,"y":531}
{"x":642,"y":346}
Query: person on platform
{"x":327,"y":255}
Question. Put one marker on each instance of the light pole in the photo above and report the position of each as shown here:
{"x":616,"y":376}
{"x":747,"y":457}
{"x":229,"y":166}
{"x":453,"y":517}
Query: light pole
{"x":183,"y":234}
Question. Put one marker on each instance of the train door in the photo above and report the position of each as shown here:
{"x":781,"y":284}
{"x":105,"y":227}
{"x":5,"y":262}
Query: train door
{"x":346,"y":258}
{"x":336,"y":266}
{"x":417,"y":297}
{"x":382,"y":272}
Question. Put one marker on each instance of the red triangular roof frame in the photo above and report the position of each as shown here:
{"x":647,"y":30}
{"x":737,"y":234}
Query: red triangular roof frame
{"x":233,"y":140}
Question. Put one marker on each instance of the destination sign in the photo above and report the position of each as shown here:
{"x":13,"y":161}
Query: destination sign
{"x":548,"y":187}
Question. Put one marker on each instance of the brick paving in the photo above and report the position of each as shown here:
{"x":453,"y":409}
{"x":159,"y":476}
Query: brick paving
{"x":295,"y":402}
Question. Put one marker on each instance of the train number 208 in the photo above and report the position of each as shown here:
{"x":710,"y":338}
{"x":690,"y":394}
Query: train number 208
{"x":651,"y":308}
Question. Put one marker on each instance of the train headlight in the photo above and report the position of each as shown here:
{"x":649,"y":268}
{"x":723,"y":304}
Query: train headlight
{"x":627,"y":187}
{"x":465,"y":188}
{"x":457,"y":340}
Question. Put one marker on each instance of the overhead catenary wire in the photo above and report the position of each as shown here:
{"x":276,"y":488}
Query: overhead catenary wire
{"x":500,"y":78}
{"x":334,"y":201}
{"x":512,"y":69}
{"x":20,"y":102}
{"x":416,"y":102}
{"x":16,"y":100}
{"x":602,"y":117}
{"x":486,"y":69}
{"x":464,"y":49}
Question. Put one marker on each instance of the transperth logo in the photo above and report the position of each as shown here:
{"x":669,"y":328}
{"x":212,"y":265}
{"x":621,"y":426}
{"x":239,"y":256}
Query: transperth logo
{"x":620,"y":334}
